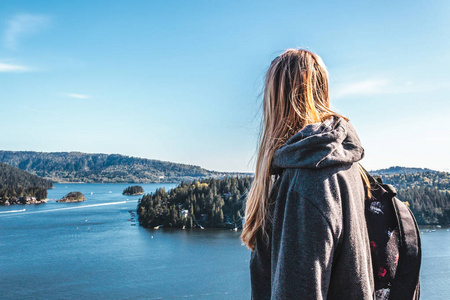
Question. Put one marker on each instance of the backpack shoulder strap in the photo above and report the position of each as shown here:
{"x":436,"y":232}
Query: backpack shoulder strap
{"x":406,"y":281}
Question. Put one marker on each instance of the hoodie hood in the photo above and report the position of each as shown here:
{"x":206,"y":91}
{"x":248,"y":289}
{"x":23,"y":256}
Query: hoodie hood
{"x":319,"y":145}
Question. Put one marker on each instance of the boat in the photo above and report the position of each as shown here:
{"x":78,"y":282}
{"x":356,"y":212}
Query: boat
{"x":438,"y":226}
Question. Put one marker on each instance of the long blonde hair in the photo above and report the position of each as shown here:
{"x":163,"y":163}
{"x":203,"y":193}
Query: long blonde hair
{"x":295,"y":95}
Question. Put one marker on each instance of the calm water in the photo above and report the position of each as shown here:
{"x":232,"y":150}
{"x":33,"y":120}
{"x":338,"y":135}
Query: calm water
{"x":90,"y":250}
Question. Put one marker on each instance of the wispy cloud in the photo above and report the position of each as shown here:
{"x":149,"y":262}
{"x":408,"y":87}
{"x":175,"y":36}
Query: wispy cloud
{"x":362,"y":88}
{"x":12,"y":68}
{"x":21,"y":25}
{"x":371,"y":87}
{"x":77,"y":96}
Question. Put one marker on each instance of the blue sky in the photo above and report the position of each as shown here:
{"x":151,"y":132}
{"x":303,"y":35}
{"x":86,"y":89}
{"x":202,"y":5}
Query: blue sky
{"x":181,"y":80}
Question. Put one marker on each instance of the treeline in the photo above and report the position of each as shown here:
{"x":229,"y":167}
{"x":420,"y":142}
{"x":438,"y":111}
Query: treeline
{"x":15,"y":184}
{"x":209,"y":203}
{"x":438,"y":180}
{"x":401,"y":170}
{"x":103,"y":168}
{"x":133,"y":190}
{"x":429,"y":205}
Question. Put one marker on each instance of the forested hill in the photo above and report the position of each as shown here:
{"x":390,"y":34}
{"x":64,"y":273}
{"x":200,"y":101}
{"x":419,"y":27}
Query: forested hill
{"x":107,"y":168}
{"x":401,"y":170}
{"x":16,"y":185}
{"x":432,"y":179}
{"x":13,"y":177}
{"x":426,"y":191}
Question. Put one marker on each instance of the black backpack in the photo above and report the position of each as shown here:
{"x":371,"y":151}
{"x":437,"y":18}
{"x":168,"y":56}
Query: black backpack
{"x":394,"y":242}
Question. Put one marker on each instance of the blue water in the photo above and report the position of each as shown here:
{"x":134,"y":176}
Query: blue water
{"x":90,"y":250}
{"x":435,"y":270}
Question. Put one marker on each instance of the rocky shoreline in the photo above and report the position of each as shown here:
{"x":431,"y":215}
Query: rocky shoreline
{"x":70,"y":200}
{"x":71,"y":197}
{"x":23,"y":201}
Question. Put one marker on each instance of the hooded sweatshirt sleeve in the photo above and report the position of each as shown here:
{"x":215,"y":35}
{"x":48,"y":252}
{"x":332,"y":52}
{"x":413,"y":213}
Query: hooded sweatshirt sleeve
{"x":302,"y":250}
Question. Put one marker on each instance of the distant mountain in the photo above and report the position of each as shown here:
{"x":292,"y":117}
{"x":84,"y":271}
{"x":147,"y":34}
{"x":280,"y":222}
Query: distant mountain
{"x":106,"y":168}
{"x":401,"y":170}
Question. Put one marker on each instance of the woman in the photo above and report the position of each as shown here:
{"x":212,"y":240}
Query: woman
{"x":304,"y":219}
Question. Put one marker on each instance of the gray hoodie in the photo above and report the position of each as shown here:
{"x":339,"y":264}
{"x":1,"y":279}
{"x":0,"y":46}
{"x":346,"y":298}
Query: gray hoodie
{"x":318,"y":246}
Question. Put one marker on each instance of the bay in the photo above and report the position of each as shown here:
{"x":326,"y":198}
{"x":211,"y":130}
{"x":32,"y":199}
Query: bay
{"x":96,"y":250}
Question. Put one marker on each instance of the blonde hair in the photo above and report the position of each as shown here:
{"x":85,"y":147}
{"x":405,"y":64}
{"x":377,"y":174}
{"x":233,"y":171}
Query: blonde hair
{"x":295,"y":95}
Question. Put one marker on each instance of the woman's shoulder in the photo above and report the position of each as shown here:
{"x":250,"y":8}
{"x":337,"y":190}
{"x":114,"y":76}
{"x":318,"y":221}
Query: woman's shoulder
{"x":325,"y":188}
{"x":317,"y":181}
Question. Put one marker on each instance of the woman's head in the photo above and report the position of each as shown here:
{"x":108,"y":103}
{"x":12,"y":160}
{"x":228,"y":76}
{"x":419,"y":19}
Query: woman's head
{"x":295,"y":95}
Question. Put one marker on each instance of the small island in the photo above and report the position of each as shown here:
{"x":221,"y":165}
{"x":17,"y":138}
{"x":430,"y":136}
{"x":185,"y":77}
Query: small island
{"x":213,"y":203}
{"x":72,"y":197}
{"x":133,"y":190}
